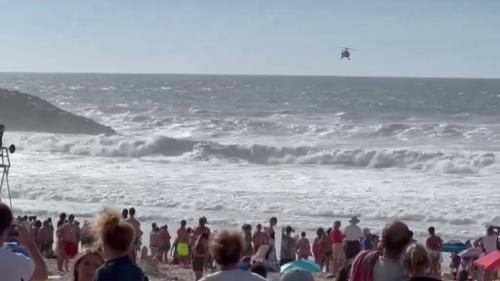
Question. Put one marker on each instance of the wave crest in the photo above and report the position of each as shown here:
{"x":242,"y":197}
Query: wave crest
{"x":119,"y":146}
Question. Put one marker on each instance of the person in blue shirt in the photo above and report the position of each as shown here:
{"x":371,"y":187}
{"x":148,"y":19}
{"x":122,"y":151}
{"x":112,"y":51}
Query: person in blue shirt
{"x":117,"y":237}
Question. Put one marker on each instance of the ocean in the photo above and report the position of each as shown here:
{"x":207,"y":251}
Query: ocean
{"x":239,"y":149}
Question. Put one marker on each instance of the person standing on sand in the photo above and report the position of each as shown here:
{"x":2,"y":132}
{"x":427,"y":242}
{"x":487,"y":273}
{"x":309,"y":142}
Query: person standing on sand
{"x":353,"y":236}
{"x":247,"y":237}
{"x":202,"y":228}
{"x":434,"y":244}
{"x":46,"y":239}
{"x":181,"y":244}
{"x":165,"y":244}
{"x":69,"y":232}
{"x":155,"y":241}
{"x":338,"y":255}
{"x":125,"y":214}
{"x":416,"y":261}
{"x":227,"y":247}
{"x":328,"y":244}
{"x":117,"y":238}
{"x":319,"y":249}
{"x":384,"y":266}
{"x":200,"y":255}
{"x":258,"y":238}
{"x":136,"y":225}
{"x":288,"y":246}
{"x":303,"y":247}
{"x":273,"y":221}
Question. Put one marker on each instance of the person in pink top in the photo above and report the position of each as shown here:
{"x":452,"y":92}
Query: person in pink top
{"x":337,"y":237}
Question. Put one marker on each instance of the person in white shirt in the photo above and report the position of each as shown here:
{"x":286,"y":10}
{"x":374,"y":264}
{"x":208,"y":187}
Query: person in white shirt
{"x":227,"y":248}
{"x":15,"y":266}
{"x":353,"y":235}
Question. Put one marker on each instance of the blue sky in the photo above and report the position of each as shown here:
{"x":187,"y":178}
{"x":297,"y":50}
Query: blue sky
{"x":455,"y":38}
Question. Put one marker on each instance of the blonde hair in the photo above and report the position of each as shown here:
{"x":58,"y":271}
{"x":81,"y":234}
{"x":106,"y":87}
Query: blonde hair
{"x":416,"y":259}
{"x":80,"y":258}
{"x":114,"y":232}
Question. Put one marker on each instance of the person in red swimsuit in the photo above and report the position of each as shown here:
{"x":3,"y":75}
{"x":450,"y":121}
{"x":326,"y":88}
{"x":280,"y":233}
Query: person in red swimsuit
{"x":338,"y":247}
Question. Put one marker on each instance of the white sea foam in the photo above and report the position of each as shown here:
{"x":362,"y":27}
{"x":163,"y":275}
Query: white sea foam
{"x":240,"y":149}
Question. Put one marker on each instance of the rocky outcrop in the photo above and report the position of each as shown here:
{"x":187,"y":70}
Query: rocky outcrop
{"x":23,"y":112}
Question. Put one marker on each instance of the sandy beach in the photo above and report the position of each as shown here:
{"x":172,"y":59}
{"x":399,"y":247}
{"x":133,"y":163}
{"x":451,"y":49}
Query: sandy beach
{"x":178,"y":273}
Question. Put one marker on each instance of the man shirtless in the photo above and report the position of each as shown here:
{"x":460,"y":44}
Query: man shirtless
{"x":258,"y":238}
{"x":138,"y":233}
{"x":202,"y":228}
{"x":46,"y":239}
{"x":155,"y":241}
{"x":165,"y":243}
{"x":69,"y":233}
{"x":181,"y":244}
{"x":434,"y":244}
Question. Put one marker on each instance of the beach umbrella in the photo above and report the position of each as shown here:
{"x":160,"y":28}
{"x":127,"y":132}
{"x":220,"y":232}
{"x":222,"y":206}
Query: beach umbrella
{"x":300,"y":265}
{"x":453,"y":247}
{"x":489,"y":262}
{"x":471,"y":253}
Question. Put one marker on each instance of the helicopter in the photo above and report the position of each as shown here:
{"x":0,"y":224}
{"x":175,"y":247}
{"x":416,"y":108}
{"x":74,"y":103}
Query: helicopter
{"x":345,"y":53}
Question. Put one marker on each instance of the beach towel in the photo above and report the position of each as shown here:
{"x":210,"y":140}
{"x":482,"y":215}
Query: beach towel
{"x":363,"y":265}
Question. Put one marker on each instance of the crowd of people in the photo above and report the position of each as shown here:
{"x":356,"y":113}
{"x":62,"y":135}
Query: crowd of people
{"x":107,"y":250}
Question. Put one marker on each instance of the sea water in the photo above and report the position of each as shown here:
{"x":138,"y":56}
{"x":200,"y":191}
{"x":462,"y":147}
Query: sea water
{"x":240,"y":149}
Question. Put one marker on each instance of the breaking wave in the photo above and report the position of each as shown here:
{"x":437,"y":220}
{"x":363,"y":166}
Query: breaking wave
{"x":120,"y":146}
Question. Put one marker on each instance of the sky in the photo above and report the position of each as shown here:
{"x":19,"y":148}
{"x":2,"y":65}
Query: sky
{"x":424,"y":38}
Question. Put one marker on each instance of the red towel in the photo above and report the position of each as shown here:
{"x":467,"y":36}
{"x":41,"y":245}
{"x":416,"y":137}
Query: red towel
{"x":362,"y":267}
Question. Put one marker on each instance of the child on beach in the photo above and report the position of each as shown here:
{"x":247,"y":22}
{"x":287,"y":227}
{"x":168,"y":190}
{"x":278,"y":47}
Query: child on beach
{"x":303,"y":247}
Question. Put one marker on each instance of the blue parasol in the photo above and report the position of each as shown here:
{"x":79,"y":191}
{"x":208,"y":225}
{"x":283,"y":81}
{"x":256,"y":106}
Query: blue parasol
{"x":453,"y":247}
{"x":300,"y":265}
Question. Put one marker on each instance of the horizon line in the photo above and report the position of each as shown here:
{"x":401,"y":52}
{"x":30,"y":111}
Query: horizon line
{"x":249,"y":74}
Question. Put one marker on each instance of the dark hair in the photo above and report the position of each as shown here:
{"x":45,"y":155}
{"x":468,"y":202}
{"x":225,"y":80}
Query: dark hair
{"x":183,"y":222}
{"x":131,"y":211}
{"x":62,"y":216}
{"x":227,"y":247}
{"x":463,"y":275}
{"x":490,"y":230}
{"x":258,"y":226}
{"x":114,"y":232}
{"x":329,"y":230}
{"x":71,"y":217}
{"x":125,"y":213}
{"x":25,"y":217}
{"x":303,"y":234}
{"x":320,"y":231}
{"x":343,"y":274}
{"x":38,"y":223}
{"x":432,"y":230}
{"x":6,"y":218}
{"x":273,"y":220}
{"x":259,"y":269}
{"x":202,"y":221}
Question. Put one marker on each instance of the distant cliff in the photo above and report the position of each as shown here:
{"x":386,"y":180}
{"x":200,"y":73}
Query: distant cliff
{"x":23,"y":112}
